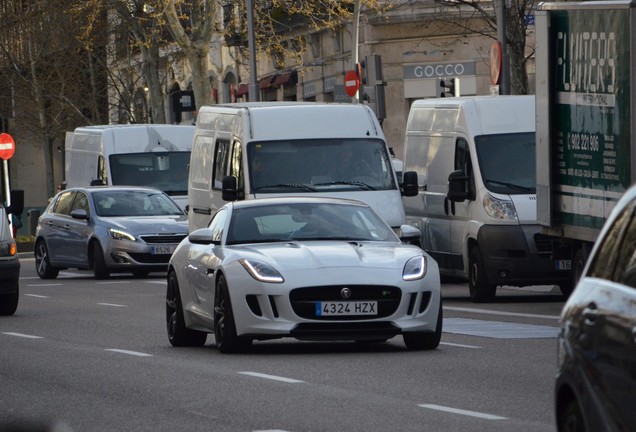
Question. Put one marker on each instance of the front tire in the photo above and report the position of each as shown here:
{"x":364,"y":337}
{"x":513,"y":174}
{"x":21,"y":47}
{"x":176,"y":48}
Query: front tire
{"x":570,"y":418}
{"x":42,"y":262}
{"x":178,"y":334}
{"x":99,"y":263}
{"x":480,"y":289}
{"x":227,"y":340}
{"x":416,"y":341}
{"x":9,"y":301}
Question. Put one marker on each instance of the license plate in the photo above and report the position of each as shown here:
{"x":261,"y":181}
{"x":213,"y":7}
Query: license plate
{"x":346,"y":308}
{"x":563,"y":264}
{"x":162,"y":250}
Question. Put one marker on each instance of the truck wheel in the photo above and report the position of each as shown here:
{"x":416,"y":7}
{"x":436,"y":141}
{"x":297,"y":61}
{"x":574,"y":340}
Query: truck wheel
{"x":9,"y":301}
{"x":480,"y":289}
{"x":578,"y":264}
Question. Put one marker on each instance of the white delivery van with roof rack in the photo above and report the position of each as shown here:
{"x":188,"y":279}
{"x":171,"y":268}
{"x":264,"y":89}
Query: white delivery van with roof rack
{"x":155,"y":155}
{"x":264,"y":149}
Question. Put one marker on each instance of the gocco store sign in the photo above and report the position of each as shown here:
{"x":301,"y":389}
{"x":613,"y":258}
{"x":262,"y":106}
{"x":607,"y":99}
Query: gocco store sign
{"x":438,"y":70}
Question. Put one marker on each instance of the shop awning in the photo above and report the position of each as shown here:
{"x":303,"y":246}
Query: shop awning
{"x":263,"y":83}
{"x":286,"y":78}
{"x":242,"y":90}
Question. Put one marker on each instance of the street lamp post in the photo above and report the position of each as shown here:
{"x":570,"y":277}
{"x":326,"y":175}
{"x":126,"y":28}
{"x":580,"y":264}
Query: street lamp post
{"x":251,"y":42}
{"x":354,"y":44}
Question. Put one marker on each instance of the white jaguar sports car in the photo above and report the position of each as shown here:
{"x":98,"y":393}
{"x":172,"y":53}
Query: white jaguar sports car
{"x":306,"y":268}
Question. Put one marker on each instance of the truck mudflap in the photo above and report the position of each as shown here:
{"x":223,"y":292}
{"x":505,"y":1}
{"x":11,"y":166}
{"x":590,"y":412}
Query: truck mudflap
{"x":519,"y":255}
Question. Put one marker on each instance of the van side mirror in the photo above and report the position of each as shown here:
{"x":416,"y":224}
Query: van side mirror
{"x":228,"y":189}
{"x":17,"y":202}
{"x":458,"y":186}
{"x":409,"y":185}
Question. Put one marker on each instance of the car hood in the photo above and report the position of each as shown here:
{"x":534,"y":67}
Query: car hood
{"x":330,"y":254}
{"x":149,"y":224}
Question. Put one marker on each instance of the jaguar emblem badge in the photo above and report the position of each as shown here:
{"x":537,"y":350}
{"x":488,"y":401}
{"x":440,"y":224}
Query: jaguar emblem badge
{"x":345,"y":293}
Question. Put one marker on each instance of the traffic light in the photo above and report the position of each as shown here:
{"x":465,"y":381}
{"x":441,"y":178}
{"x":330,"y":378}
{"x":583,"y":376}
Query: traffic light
{"x":372,"y":84}
{"x":450,"y":87}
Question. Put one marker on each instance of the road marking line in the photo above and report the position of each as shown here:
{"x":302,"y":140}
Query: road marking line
{"x":134,"y":353}
{"x":22,"y":335}
{"x":112,"y":304}
{"x":272,"y":377}
{"x":462,"y":412}
{"x":161,"y":282}
{"x":36,"y":296}
{"x":492,"y":312}
{"x":460,"y":345}
{"x":498,"y":330}
{"x":44,"y":285}
{"x":112,"y":282}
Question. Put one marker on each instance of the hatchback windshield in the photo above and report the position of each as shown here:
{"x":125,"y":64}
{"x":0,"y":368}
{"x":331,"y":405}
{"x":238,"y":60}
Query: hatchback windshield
{"x":134,"y":203}
{"x":507,"y":162}
{"x":319,"y":165}
{"x":305,"y":221}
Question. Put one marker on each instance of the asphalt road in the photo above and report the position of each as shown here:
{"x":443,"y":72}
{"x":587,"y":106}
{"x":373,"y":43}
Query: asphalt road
{"x":84,"y":355}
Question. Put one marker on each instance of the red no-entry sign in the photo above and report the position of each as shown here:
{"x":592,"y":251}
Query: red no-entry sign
{"x":352,"y":83}
{"x":7,"y":146}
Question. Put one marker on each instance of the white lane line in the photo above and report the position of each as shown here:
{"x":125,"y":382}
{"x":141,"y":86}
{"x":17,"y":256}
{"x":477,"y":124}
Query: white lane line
{"x":158,"y":282}
{"x":492,"y":312}
{"x":112,"y":304}
{"x":460,"y":345}
{"x":133,"y":353}
{"x":271,"y":430}
{"x":462,"y":412}
{"x":36,"y":296}
{"x":22,"y":335}
{"x":44,"y":285}
{"x":272,"y":377}
{"x":113,"y":282}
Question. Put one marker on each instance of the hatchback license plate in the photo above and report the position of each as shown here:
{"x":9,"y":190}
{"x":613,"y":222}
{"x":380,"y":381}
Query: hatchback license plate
{"x":162,"y":250}
{"x":346,"y":308}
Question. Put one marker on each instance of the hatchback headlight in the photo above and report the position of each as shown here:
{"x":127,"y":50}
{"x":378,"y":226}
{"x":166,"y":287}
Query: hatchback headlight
{"x":8,"y":248}
{"x":261,"y":271}
{"x":118,"y":234}
{"x":415,"y":268}
{"x":499,"y":209}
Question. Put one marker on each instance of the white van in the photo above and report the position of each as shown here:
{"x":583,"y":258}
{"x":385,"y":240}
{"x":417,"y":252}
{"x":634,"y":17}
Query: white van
{"x":257,"y":150}
{"x":154,"y":155}
{"x":475,"y":163}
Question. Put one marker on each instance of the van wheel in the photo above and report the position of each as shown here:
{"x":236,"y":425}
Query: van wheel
{"x":480,"y":289}
{"x":9,"y":301}
{"x":99,"y":264}
{"x":42,"y":262}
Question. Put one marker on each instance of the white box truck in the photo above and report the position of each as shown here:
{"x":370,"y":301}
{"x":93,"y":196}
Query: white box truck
{"x":258,"y":150}
{"x":154,"y":155}
{"x":586,"y":120}
{"x":476,"y":207}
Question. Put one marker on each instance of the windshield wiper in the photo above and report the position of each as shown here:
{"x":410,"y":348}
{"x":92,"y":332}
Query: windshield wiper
{"x":510,"y":185}
{"x":351,"y":183}
{"x":287,"y":186}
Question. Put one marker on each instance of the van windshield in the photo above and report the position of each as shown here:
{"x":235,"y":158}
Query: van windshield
{"x":507,"y":162}
{"x":319,"y":165}
{"x":167,"y":171}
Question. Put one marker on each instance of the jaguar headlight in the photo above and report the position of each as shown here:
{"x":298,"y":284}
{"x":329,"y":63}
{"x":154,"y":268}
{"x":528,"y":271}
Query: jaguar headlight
{"x":118,"y":234}
{"x":261,"y":271}
{"x":499,"y":209}
{"x":415,"y":268}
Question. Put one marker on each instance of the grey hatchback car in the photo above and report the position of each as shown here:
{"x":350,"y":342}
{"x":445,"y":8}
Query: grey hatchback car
{"x":109,"y":229}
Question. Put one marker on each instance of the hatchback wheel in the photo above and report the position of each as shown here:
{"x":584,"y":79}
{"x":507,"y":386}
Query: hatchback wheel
{"x":570,"y":418}
{"x":99,"y":263}
{"x":43,"y":263}
{"x":178,"y":334}
{"x":224,"y":325}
